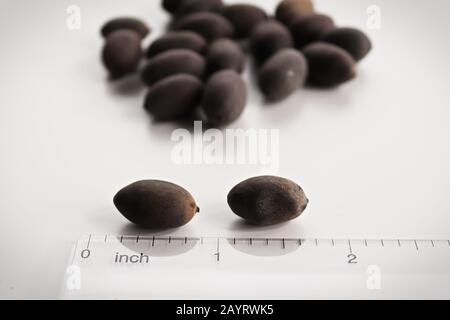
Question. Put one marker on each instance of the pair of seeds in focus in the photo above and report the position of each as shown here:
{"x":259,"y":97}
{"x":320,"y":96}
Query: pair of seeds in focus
{"x":261,"y":201}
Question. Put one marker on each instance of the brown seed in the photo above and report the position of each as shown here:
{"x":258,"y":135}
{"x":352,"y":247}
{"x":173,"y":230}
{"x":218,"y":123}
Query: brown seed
{"x":268,"y":38}
{"x":310,"y":28}
{"x":329,"y":65}
{"x":173,"y":62}
{"x":225,"y":54}
{"x":122,"y":52}
{"x":192,"y":6}
{"x":267,"y":200}
{"x":156,"y":204}
{"x":351,"y":40}
{"x":210,"y":25}
{"x":172,"y":6}
{"x":224,"y":98}
{"x":177,"y":40}
{"x":283,"y":74}
{"x":244,"y":18}
{"x":127,"y":23}
{"x":288,"y":10}
{"x":173,"y":97}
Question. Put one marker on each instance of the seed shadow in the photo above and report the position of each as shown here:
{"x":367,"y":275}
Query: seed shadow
{"x":338,"y":96}
{"x":130,"y":85}
{"x":130,"y":230}
{"x":264,"y":247}
{"x":159,"y":242}
{"x":243,"y":226}
{"x":164,"y":129}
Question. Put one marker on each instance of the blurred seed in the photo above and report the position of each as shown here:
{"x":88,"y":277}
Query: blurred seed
{"x":268,"y":38}
{"x":310,"y":28}
{"x":244,"y":18}
{"x":173,"y":62}
{"x":225,"y":54}
{"x":177,"y":40}
{"x":172,"y":6}
{"x":210,"y":25}
{"x":224,"y":98}
{"x":192,"y":6}
{"x":351,"y":40}
{"x":329,"y":65}
{"x":267,"y":200}
{"x":288,"y":10}
{"x":156,"y":204}
{"x":173,"y":97}
{"x":127,"y":23}
{"x":283,"y":74}
{"x":122,"y":52}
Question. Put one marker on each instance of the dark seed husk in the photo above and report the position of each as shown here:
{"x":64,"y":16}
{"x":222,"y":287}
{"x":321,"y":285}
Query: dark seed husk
{"x":122,"y":53}
{"x":177,"y":40}
{"x":156,"y":204}
{"x":126,"y":23}
{"x":173,"y":62}
{"x":329,"y":65}
{"x":267,"y":200}
{"x":210,"y":25}
{"x":192,"y":6}
{"x":225,"y":54}
{"x":174,"y":97}
{"x":351,"y":40}
{"x":310,"y":28}
{"x":268,"y":38}
{"x":283,"y":74}
{"x":244,"y":18}
{"x":172,"y":6}
{"x":289,"y":10}
{"x":224,"y":98}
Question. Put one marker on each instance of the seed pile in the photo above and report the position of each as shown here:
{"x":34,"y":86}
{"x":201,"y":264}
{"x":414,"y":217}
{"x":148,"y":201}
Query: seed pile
{"x":194,"y":68}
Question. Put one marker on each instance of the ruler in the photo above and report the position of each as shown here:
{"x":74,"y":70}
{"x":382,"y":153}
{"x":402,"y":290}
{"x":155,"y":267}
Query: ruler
{"x":152,"y":267}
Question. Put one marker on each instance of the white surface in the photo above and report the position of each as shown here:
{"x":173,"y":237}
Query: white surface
{"x":373,"y":156}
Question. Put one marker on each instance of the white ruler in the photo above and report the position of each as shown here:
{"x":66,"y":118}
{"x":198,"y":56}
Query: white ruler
{"x":134,"y":267}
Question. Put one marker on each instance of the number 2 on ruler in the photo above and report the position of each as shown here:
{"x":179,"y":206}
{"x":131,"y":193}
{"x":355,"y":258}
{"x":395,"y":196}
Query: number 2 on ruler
{"x":352,"y":258}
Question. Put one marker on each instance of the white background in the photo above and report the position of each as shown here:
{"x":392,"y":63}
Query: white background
{"x":373,"y":155}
